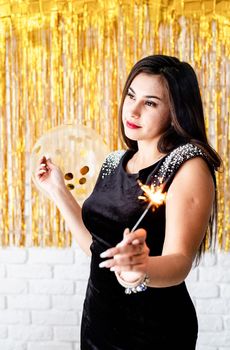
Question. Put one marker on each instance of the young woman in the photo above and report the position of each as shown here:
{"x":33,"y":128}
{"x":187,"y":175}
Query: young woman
{"x":136,"y":296}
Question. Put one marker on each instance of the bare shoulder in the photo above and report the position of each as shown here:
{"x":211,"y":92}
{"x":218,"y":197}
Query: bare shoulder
{"x":195,"y":169}
{"x":194,"y":178}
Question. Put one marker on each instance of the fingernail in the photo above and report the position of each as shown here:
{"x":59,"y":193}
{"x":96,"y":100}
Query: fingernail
{"x":113,"y":268}
{"x":103,"y":255}
{"x":136,"y":242}
{"x":102,"y":264}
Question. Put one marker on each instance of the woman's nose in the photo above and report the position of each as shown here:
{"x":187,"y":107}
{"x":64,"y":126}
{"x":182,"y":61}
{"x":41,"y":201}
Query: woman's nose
{"x":135,"y":110}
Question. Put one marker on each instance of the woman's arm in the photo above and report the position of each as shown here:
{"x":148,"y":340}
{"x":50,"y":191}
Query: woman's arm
{"x":188,"y":207}
{"x":51,"y":179}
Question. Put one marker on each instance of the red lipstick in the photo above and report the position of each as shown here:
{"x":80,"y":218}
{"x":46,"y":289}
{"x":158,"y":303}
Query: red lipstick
{"x":132,"y":126}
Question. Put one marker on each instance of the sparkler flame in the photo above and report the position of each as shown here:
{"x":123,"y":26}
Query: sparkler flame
{"x":153,"y":194}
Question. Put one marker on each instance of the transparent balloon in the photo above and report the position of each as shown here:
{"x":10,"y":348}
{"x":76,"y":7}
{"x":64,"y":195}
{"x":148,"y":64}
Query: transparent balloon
{"x":78,"y":151}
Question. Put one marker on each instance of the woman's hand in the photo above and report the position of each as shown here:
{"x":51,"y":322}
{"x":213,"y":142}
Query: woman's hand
{"x":49,"y":176}
{"x":129,"y":257}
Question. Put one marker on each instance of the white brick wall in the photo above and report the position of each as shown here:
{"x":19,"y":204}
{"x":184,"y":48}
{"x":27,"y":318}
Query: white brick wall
{"x":42,"y":292}
{"x":209,"y":286}
{"x":41,"y":297}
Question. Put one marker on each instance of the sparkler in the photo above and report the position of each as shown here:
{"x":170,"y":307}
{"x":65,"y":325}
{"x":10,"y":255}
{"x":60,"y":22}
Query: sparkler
{"x":153,"y":195}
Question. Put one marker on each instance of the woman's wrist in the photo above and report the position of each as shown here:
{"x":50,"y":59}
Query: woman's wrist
{"x":139,"y":285}
{"x":131,"y":277}
{"x":59,"y":192}
{"x":128,"y":282}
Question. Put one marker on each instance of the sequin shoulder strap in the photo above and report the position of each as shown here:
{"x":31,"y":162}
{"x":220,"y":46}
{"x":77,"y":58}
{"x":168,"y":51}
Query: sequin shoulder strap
{"x":111,"y":162}
{"x":174,"y":160}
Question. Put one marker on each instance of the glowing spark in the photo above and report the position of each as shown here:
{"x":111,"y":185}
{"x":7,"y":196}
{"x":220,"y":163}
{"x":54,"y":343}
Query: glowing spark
{"x":153,"y":195}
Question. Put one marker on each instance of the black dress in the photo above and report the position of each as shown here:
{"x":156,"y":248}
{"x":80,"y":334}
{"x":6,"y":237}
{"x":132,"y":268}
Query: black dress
{"x":159,"y":318}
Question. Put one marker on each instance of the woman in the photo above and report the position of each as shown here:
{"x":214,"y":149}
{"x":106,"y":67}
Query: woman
{"x":136,"y":296}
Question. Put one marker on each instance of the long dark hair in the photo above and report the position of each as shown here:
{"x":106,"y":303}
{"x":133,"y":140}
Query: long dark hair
{"x":187,"y":117}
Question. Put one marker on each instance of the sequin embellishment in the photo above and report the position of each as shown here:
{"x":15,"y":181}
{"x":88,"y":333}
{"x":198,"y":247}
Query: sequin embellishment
{"x":111,"y":163}
{"x":174,"y":160}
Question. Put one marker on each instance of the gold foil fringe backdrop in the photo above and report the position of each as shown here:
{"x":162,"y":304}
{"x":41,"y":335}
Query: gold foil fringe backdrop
{"x":66,"y":62}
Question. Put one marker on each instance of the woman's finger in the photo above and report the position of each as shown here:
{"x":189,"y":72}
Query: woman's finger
{"x":129,"y":268}
{"x":42,"y":171}
{"x":136,"y":237}
{"x":125,"y":234}
{"x":119,"y":249}
{"x":139,"y":235}
{"x":123,"y":260}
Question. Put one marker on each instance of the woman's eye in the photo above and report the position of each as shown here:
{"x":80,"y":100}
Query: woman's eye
{"x":130,"y":95}
{"x":150,"y":103}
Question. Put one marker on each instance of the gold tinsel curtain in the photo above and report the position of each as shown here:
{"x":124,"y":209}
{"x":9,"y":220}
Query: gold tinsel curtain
{"x":66,"y":61}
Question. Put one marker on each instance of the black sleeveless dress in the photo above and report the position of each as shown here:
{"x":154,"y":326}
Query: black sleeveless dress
{"x":159,"y":318}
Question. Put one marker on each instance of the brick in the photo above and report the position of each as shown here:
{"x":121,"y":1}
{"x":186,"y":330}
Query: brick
{"x":225,"y":291}
{"x":227,"y":323}
{"x":203,"y":290}
{"x":51,"y":256}
{"x":14,"y":317}
{"x":80,"y":287}
{"x":81,"y":256}
{"x":203,"y":347}
{"x":2,"y":270}
{"x":31,"y":302}
{"x":11,"y":345}
{"x":215,"y":338}
{"x":3,"y":332}
{"x":224,"y":259}
{"x":67,"y":333}
{"x":55,"y":317}
{"x":51,"y":287}
{"x":215,"y":274}
{"x":14,"y":286}
{"x":79,"y":272}
{"x":213,"y":306}
{"x":192,"y":276}
{"x":69,"y":302}
{"x":209,"y":259}
{"x":13,"y":255}
{"x":31,"y":332}
{"x":29,"y":271}
{"x":49,"y":346}
{"x":210,"y":323}
{"x":2,"y":302}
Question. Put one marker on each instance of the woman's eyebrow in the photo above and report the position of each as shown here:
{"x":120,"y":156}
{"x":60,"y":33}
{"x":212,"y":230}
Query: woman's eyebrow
{"x":147,"y":96}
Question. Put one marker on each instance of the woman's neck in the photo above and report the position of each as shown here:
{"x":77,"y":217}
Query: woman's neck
{"x":148,"y":153}
{"x":145,"y":156}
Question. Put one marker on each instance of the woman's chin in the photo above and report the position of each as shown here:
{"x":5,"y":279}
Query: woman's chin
{"x":130,"y":135}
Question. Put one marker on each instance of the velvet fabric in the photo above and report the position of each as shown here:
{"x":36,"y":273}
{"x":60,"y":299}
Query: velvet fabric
{"x":159,"y":318}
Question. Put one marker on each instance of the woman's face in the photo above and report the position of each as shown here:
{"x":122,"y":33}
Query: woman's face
{"x":146,"y":113}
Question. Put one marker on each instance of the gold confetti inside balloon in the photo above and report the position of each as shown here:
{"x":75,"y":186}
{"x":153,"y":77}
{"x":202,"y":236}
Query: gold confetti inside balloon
{"x":78,"y":151}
